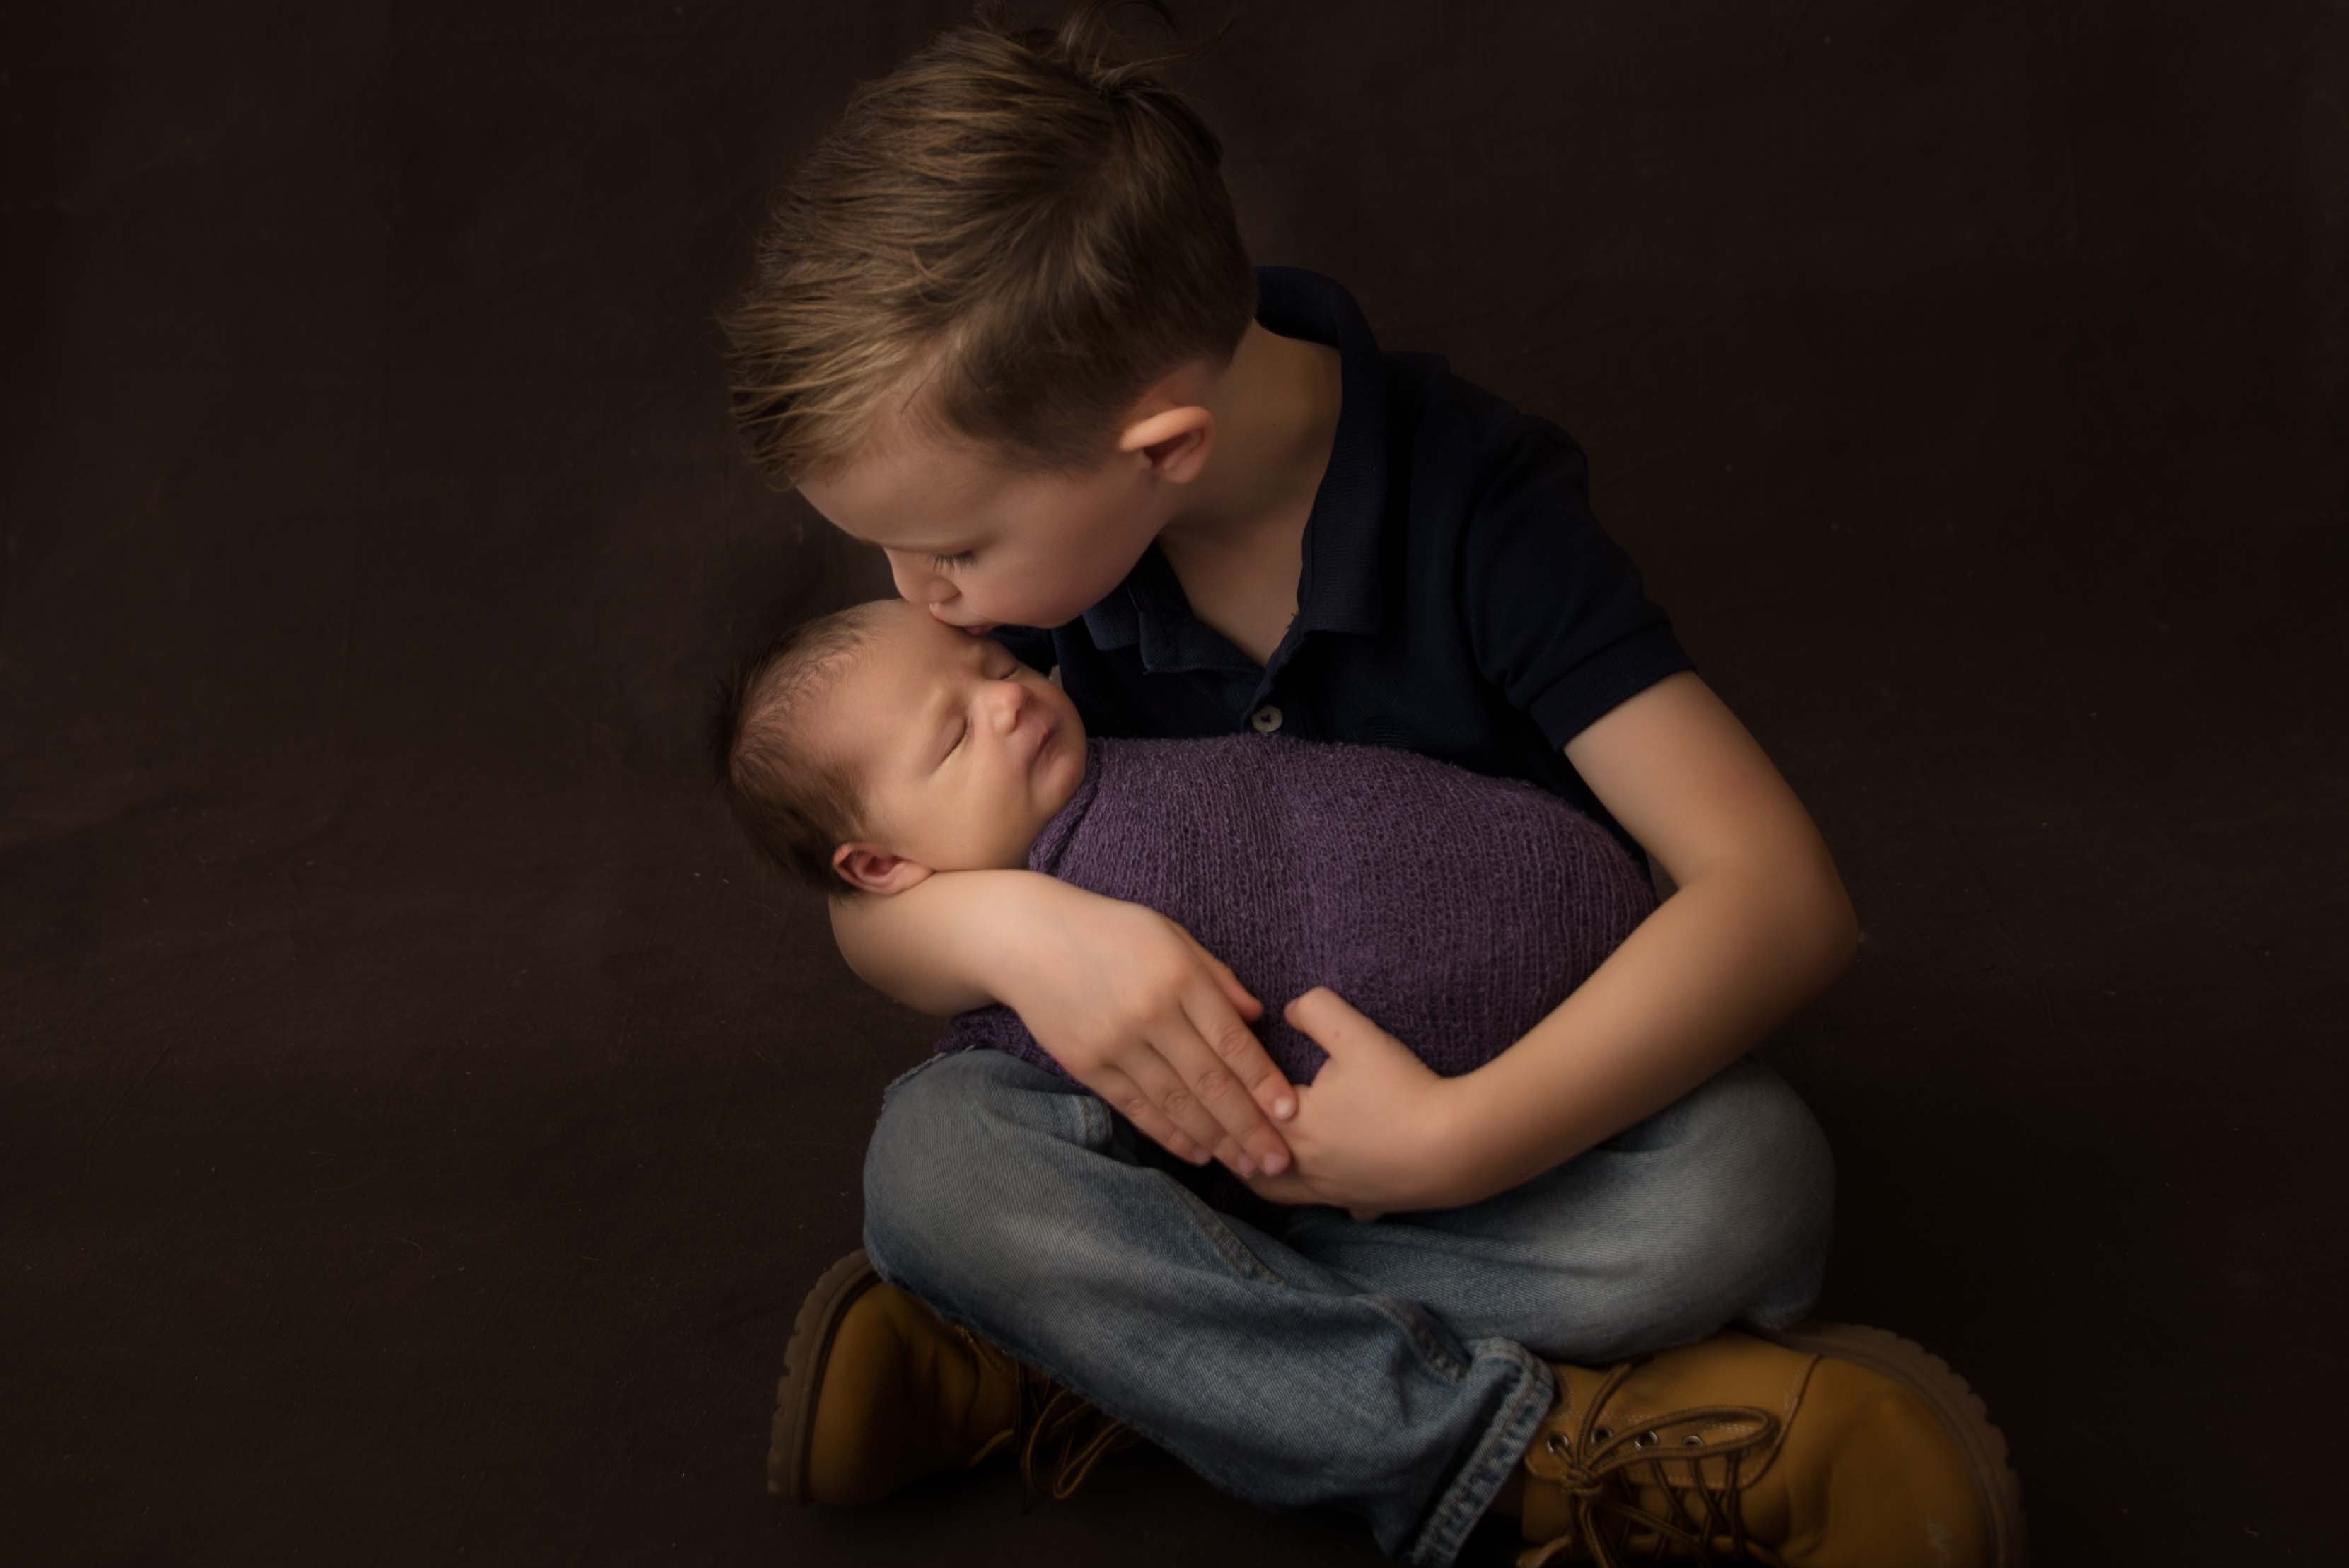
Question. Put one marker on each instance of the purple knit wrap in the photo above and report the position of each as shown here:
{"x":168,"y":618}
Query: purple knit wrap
{"x":1453,"y":909}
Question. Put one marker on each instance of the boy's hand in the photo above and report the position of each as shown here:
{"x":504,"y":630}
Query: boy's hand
{"x":1139,"y":1013}
{"x":1372,"y":1132}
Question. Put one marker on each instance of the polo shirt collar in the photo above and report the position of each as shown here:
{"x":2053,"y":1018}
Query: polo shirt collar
{"x":1338,"y":590}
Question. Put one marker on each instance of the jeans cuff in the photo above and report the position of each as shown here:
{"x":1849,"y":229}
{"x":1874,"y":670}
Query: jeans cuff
{"x":1488,"y":1469}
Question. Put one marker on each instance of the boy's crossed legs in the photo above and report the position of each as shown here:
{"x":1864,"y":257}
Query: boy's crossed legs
{"x":1396,"y":1369}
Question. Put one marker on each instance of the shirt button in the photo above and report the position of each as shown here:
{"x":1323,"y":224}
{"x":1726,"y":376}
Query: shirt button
{"x":1267,"y":719}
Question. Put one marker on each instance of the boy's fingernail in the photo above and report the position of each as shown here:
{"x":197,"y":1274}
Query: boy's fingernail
{"x":1284,"y":1107}
{"x":1248,"y":1166}
{"x":1275,"y":1164}
{"x":1198,"y":1157}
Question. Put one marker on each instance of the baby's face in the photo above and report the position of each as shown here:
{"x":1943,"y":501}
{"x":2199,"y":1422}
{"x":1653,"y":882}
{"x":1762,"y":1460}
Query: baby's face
{"x":960,"y":753}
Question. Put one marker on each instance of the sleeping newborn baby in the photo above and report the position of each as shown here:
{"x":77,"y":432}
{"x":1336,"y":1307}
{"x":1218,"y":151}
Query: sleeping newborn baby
{"x":869,"y":750}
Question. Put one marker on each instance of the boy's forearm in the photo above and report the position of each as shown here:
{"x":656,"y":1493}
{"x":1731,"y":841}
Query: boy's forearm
{"x":1717,"y":967}
{"x":929,"y":946}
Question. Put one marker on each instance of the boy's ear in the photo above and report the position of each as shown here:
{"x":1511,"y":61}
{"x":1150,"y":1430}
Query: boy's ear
{"x":1175,"y":441}
{"x":869,"y":867}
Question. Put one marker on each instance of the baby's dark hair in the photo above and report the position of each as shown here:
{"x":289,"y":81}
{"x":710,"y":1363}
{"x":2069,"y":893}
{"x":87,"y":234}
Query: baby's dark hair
{"x":795,"y":804}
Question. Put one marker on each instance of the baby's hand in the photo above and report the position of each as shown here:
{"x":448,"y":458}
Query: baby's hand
{"x":1139,"y":1013}
{"x":1372,"y":1129}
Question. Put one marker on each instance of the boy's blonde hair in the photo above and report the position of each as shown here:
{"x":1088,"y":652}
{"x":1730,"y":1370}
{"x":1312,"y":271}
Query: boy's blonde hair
{"x":1008,"y":238}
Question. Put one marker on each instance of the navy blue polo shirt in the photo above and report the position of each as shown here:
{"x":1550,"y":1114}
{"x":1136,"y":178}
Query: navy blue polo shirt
{"x":1457,"y":598}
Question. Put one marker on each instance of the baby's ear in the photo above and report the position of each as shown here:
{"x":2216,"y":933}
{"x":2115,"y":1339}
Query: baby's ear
{"x":869,"y":867}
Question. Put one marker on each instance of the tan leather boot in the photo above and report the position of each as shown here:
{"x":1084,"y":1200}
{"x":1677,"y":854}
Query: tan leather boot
{"x":1823,"y":1446}
{"x":878,"y":1390}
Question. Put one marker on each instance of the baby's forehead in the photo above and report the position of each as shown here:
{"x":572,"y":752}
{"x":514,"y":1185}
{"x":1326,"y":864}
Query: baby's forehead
{"x":924,"y":655}
{"x":914,"y":637}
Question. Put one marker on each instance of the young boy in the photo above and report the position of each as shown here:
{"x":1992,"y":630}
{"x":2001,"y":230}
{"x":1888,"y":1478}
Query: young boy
{"x":1004,"y":328}
{"x":870,"y":749}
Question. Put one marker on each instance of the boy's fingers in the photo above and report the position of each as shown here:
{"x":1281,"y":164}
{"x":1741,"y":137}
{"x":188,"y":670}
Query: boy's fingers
{"x":1242,"y":1052}
{"x":1237,"y":1045}
{"x":1337,"y":1026}
{"x":1131,"y":1102}
{"x":1158,"y":1077}
{"x":1286,"y":1188}
{"x":1228,"y":1067}
{"x":1247,"y":1005}
{"x":1320,"y":1013}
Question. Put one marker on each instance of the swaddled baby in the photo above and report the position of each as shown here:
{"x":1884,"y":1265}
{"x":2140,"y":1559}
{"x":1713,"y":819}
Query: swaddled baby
{"x":870,"y":748}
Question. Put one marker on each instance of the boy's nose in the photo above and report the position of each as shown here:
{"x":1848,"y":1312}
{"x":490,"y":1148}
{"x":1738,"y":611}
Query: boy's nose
{"x":916,"y":584}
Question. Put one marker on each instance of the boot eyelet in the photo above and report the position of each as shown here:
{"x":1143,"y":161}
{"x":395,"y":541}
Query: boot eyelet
{"x":1601,"y":1435}
{"x":1692,"y":1441}
{"x":1646,"y":1440}
{"x":1559,"y":1442}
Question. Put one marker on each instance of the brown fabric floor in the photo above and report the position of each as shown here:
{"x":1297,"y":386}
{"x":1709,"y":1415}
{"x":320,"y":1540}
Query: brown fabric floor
{"x":419,"y":1123}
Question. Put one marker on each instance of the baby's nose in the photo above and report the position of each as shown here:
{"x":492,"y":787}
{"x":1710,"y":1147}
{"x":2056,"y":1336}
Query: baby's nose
{"x":1009,"y":700}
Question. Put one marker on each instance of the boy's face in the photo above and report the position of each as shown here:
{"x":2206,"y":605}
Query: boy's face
{"x":959,"y":753}
{"x":981,"y":547}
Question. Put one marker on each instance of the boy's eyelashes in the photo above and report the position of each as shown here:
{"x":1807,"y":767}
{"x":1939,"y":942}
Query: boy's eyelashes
{"x":948,"y":563}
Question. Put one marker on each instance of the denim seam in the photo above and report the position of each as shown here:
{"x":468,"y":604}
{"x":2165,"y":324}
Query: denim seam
{"x":933,"y":1059}
{"x":1471,"y":1494}
{"x":1422,"y":1340}
{"x":1090,"y":1108}
{"x":1148,"y":1433}
{"x":1237,"y":1253}
{"x":1205,"y":1217}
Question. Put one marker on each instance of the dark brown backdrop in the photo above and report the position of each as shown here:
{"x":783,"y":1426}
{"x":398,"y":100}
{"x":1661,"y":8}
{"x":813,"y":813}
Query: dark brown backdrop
{"x":417,"y":1127}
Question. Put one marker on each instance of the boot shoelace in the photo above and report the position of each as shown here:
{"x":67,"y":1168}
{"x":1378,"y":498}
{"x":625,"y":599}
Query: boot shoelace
{"x":1081,"y":1434}
{"x":1597,"y":1470}
{"x":1078,"y":1434}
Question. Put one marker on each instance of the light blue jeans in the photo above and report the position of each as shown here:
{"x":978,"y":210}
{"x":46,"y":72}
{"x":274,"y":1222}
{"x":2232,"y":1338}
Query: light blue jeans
{"x":1296,"y":1358}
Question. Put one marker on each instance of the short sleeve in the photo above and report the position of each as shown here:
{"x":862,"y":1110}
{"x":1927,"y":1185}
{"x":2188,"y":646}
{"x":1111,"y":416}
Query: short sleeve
{"x":1557,"y":617}
{"x":1031,"y":646}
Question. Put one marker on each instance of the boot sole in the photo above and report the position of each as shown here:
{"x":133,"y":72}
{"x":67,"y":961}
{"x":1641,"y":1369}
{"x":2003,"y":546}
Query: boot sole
{"x":803,"y":1363}
{"x":1962,"y":1411}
